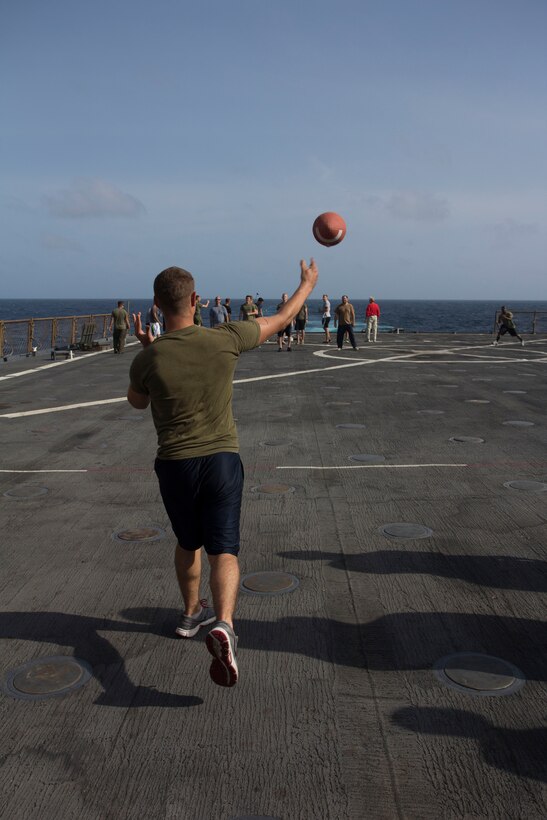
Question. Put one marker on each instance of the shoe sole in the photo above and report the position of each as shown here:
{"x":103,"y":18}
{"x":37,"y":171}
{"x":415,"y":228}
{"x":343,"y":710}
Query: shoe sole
{"x":223,"y":670}
{"x":189,"y":633}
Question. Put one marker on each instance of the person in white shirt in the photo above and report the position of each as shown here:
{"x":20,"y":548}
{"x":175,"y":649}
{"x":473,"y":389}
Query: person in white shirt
{"x":325,"y":321}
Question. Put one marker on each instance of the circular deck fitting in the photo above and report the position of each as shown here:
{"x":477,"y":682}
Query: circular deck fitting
{"x":28,"y":491}
{"x":129,"y":418}
{"x":467,"y":439}
{"x":405,"y":393}
{"x":367,"y":458}
{"x":526,"y":484}
{"x":430,"y":412}
{"x":273,"y":489}
{"x":518,"y":423}
{"x":280,"y":415}
{"x":140,"y":534}
{"x":449,"y":385}
{"x":276,"y":442}
{"x":516,"y":392}
{"x":330,"y":387}
{"x":4,"y":406}
{"x":269,"y":583}
{"x":337,"y":403}
{"x":481,"y":380}
{"x":404,"y":530}
{"x":477,"y":401}
{"x":478,"y":674}
{"x":350,"y":426}
{"x":47,"y":678}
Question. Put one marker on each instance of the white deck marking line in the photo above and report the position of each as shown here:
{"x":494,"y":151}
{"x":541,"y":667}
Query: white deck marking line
{"x":62,"y":407}
{"x":58,"y":364}
{"x":43,"y":471}
{"x":44,"y":410}
{"x":371,"y":466}
{"x":324,"y":354}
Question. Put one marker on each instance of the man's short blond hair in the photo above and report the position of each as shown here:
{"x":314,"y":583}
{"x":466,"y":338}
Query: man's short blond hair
{"x":173,"y":288}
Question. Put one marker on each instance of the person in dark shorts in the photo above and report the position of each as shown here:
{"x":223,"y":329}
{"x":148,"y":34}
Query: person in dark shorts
{"x":507,"y":325}
{"x":300,"y":321}
{"x":120,"y":319}
{"x":228,"y":306}
{"x":325,"y":319}
{"x":284,"y":331}
{"x":186,"y":376}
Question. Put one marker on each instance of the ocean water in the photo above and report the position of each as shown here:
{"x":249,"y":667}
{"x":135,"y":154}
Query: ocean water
{"x":412,"y":316}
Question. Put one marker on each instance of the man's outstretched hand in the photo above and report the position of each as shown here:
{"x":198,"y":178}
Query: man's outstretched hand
{"x":309,"y":273}
{"x":144,"y":336}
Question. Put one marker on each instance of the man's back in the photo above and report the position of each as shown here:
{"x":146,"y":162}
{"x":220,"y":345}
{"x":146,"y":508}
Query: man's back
{"x":188,"y":374}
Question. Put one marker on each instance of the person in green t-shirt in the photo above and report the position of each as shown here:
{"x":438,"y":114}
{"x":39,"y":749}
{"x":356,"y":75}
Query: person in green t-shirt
{"x":197,"y":315}
{"x":248,"y":309}
{"x":186,"y":376}
{"x":120,"y":319}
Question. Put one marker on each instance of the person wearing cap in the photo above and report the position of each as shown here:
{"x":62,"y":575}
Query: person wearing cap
{"x":372,"y":314}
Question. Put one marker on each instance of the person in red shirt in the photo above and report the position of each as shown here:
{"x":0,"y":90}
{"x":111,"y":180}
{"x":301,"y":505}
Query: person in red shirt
{"x":372,"y":315}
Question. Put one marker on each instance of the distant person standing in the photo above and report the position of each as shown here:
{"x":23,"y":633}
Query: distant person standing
{"x":344,"y":317}
{"x":248,"y":309}
{"x":372,"y":314}
{"x":260,"y":307}
{"x":285,"y":331}
{"x":217,"y":314}
{"x":300,"y":321}
{"x":119,"y":318}
{"x":507,"y":325}
{"x":197,"y":315}
{"x":153,"y":321}
{"x":326,"y":317}
{"x":228,"y":306}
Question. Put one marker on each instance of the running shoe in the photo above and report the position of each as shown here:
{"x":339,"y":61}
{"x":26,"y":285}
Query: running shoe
{"x":189,"y":625}
{"x":522,"y":343}
{"x":222,"y":644}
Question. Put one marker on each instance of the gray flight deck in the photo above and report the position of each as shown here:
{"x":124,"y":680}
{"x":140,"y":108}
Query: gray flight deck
{"x":347,"y":705}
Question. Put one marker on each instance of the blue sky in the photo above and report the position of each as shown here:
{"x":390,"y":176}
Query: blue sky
{"x":137,"y":135}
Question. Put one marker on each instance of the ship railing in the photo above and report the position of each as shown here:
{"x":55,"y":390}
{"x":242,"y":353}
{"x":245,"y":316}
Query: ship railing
{"x":25,"y":337}
{"x":527,"y":321}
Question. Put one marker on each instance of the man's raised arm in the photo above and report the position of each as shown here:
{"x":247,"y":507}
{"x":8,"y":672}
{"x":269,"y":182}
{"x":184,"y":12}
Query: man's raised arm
{"x":272,"y":324}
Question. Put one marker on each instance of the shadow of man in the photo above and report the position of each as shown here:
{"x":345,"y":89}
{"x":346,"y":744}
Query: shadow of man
{"x":81,"y":634}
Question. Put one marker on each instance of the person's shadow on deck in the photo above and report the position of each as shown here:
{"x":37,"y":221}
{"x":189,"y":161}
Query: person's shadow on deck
{"x":498,"y":571}
{"x":519,"y":751}
{"x":81,"y":634}
{"x":394,"y":642}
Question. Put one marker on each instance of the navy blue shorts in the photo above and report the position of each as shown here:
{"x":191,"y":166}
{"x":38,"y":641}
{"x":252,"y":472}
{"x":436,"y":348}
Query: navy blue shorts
{"x":202,"y":497}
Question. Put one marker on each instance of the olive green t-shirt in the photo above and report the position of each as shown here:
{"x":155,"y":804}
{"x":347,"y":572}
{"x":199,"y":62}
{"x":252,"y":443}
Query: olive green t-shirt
{"x":188,"y":375}
{"x":120,"y":317}
{"x":247,"y":309}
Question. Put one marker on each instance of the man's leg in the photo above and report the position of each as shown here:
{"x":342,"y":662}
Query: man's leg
{"x":340,"y":336}
{"x":224,"y":583}
{"x":188,"y":569}
{"x":351,"y":337}
{"x":369,"y":327}
{"x":375,"y":328}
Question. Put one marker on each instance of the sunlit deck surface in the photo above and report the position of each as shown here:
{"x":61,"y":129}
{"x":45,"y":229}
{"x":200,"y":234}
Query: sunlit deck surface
{"x":339,"y":712}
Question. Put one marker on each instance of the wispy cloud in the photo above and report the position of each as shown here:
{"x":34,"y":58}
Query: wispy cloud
{"x":509,"y":231}
{"x":53,"y":242}
{"x":92,"y":198}
{"x":417,"y":206}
